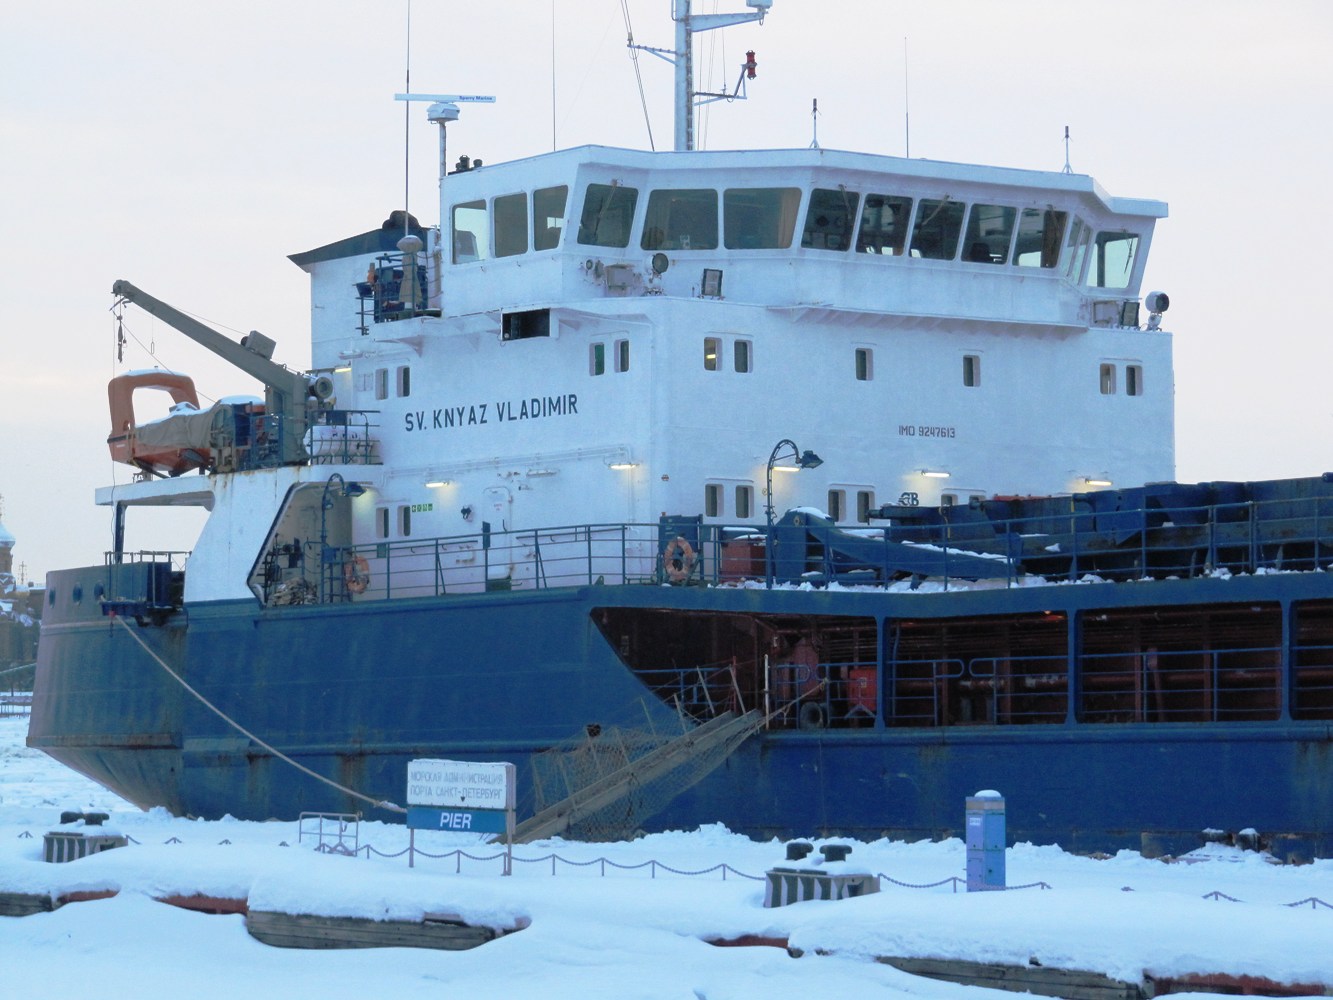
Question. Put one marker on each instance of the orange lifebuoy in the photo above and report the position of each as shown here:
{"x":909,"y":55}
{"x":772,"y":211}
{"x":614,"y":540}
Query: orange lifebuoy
{"x":356,"y":574}
{"x":678,"y":559}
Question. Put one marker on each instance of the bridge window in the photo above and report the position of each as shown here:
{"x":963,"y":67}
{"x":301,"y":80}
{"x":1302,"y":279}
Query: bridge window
{"x":938,"y":226}
{"x":1076,"y":248}
{"x":830,"y":219}
{"x":989,"y":229}
{"x":1113,"y":257}
{"x":548,"y":216}
{"x":471,"y":232}
{"x":511,"y":225}
{"x":1039,"y":235}
{"x":608,"y":213}
{"x":884,"y":225}
{"x":760,"y":218}
{"x":681,"y":219}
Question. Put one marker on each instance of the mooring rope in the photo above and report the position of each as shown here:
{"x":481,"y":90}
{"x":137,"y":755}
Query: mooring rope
{"x":379,"y":803}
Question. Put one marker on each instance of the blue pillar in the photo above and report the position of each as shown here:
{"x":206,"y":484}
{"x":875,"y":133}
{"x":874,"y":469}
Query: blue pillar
{"x":985,"y":841}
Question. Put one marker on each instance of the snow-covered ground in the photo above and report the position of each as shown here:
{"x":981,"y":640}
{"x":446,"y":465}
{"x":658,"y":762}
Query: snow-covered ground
{"x":598,"y":930}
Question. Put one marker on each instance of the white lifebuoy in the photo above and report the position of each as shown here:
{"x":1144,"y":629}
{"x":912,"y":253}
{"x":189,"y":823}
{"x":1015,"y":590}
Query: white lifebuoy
{"x":678,"y":559}
{"x":356,"y":574}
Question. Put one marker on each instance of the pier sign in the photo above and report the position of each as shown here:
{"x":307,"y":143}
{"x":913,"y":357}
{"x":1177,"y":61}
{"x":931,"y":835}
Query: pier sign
{"x":460,"y":784}
{"x":461,"y":797}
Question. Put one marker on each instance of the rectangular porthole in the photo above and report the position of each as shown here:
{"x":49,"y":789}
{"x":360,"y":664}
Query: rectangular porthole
{"x":1133,"y":380}
{"x":744,"y":501}
{"x":712,"y":500}
{"x":865,"y":367}
{"x":1107,"y":379}
{"x":971,"y":370}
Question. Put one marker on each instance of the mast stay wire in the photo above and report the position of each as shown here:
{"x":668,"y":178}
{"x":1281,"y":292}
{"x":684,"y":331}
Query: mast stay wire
{"x":638,"y":74}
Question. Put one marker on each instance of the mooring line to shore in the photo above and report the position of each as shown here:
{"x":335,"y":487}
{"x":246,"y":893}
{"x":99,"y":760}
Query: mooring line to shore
{"x":378,"y":803}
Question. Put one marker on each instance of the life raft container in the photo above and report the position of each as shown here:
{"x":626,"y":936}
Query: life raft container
{"x":356,"y":574}
{"x":678,"y":559}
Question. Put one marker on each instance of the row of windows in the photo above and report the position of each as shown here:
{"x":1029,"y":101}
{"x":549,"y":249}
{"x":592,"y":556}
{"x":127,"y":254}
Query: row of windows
{"x":742,"y":497}
{"x":402,"y":382}
{"x":840,"y":220}
{"x":473,"y":231}
{"x":1133,"y":379}
{"x":401,"y":516}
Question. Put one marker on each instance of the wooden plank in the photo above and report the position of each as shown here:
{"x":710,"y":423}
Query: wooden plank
{"x":23,"y":904}
{"x":287,"y":930}
{"x":1069,"y":984}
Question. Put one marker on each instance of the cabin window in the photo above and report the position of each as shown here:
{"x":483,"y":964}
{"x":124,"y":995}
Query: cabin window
{"x":836,"y":507}
{"x":742,"y":356}
{"x":471,"y":232}
{"x":938,"y":226}
{"x":681,"y":219}
{"x":511,"y":225}
{"x":1039,"y":234}
{"x":622,"y":355}
{"x":884,"y":225}
{"x":830,"y":219}
{"x":1076,"y":247}
{"x":971,"y":370}
{"x":1108,"y":379}
{"x":381,"y":383}
{"x":712,"y":500}
{"x":1133,"y":380}
{"x":405,"y":520}
{"x":744,"y":501}
{"x":712,"y":348}
{"x":597,"y":359}
{"x":1113,"y":257}
{"x":760,"y":218}
{"x":865,"y":364}
{"x":989,"y":230}
{"x":403,"y":380}
{"x":865,"y":503}
{"x":608,"y":213}
{"x":548,"y":216}
{"x":381,"y":522}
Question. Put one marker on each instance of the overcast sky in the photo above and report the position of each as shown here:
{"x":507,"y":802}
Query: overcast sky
{"x":190,"y":148}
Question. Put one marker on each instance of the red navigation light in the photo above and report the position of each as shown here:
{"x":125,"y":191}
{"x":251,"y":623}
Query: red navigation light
{"x":750,"y":64}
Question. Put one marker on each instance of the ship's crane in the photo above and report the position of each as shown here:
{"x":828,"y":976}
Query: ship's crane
{"x":286,"y":393}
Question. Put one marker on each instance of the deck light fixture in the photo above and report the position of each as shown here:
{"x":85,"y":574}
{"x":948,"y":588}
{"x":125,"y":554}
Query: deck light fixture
{"x":1090,"y":481}
{"x":804,"y":460}
{"x":935,"y":473}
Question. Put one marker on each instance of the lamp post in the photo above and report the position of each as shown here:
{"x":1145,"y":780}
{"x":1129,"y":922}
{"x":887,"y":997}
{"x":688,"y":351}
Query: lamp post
{"x":328,"y":554}
{"x":804,"y":460}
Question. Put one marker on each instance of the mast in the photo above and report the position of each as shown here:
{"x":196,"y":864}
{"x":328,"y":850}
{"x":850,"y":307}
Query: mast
{"x":683,"y":57}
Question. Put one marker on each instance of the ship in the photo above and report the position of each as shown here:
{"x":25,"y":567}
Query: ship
{"x":847,"y":478}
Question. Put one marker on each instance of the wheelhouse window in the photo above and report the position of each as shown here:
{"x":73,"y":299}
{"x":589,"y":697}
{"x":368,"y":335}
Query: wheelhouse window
{"x":1113,"y":256}
{"x":608,"y":214}
{"x":1076,"y":248}
{"x":989,"y":230}
{"x":511,"y":225}
{"x":884,"y":225}
{"x":472,"y":239}
{"x":760,"y":218}
{"x":548,"y":216}
{"x":938,"y":226}
{"x":681,"y":219}
{"x":1039,"y":234}
{"x":830,"y":219}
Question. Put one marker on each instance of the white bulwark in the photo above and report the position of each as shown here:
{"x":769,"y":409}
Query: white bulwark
{"x":460,"y":784}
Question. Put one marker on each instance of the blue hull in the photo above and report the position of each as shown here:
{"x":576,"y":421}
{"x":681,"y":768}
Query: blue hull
{"x":354,"y":691}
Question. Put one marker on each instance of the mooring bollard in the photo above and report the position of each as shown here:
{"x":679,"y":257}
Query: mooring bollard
{"x":985,"y":841}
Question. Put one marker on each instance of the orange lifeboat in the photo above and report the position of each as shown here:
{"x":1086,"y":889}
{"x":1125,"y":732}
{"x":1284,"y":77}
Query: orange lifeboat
{"x":168,"y":446}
